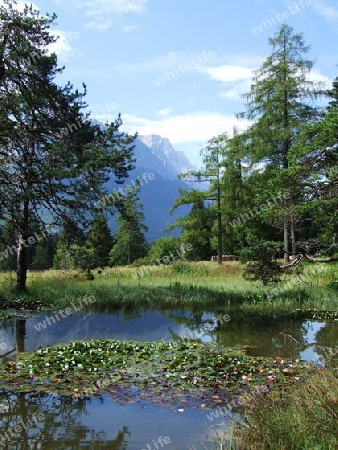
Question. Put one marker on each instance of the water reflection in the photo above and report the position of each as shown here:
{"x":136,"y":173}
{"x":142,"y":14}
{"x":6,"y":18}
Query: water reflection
{"x":263,"y":336}
{"x":38,"y":421}
{"x":66,"y":423}
{"x":99,"y":423}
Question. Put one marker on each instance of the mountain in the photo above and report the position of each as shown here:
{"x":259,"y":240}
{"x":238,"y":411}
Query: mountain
{"x":174,"y":162}
{"x":157,"y":165}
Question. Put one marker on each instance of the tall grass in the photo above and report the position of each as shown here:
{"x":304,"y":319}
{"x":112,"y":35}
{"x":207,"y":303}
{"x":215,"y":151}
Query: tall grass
{"x":303,"y":418}
{"x":180,"y":285}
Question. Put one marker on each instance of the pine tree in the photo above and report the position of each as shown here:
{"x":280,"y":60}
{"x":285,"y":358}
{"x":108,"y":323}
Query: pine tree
{"x":50,"y":161}
{"x":213,"y":160}
{"x":197,"y":231}
{"x":68,"y":244}
{"x":130,"y":243}
{"x":100,"y":240}
{"x":44,"y":254}
{"x":333,"y":95}
{"x":236,"y":196}
{"x":8,"y":249}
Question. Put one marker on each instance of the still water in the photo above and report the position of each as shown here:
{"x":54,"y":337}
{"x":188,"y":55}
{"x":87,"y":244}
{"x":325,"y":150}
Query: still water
{"x":47,"y":421}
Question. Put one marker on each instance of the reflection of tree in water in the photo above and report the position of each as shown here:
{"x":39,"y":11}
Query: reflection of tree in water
{"x":20,"y":333}
{"x":266,"y":334}
{"x":195,"y":324}
{"x":60,"y":426}
{"x":327,"y":340}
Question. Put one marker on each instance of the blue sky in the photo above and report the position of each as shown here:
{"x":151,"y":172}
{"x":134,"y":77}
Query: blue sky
{"x":177,"y":67}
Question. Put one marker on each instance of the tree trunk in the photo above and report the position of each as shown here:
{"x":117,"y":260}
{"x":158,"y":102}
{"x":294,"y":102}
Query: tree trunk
{"x":293,"y":237}
{"x":22,"y":260}
{"x":129,"y":251}
{"x":20,"y":335}
{"x":219,"y":228}
{"x":22,"y":265}
{"x":286,"y":241}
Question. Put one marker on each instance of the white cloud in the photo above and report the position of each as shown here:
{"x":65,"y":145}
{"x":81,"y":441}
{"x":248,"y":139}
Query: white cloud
{"x":326,"y":11}
{"x":317,"y":76}
{"x":185,"y":128}
{"x":235,"y":91}
{"x":164,"y":112}
{"x":235,"y":77}
{"x":228,"y":73}
{"x":238,"y":78}
{"x":62,"y":46}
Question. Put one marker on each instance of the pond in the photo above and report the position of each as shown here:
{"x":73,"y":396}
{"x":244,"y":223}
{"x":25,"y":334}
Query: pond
{"x":41,"y":421}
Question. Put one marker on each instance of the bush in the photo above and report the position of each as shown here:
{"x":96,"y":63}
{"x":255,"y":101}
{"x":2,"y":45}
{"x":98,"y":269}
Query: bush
{"x":163,"y":247}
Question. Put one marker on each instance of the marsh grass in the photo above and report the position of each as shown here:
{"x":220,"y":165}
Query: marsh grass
{"x":181,"y":285}
{"x":302,"y":418}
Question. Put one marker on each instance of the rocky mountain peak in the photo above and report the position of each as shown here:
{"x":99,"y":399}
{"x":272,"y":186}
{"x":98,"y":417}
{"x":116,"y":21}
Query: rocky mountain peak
{"x":163,"y":150}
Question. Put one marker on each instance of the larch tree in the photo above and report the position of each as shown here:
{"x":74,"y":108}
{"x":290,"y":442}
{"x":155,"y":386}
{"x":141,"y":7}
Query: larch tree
{"x":279,"y":101}
{"x":213,"y":156}
{"x":315,"y":164}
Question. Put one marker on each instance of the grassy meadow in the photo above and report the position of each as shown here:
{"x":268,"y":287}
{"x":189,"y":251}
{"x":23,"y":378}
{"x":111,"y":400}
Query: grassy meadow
{"x":186,"y":285}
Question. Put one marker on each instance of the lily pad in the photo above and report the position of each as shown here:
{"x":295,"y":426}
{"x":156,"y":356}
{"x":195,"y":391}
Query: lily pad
{"x":168,"y":373}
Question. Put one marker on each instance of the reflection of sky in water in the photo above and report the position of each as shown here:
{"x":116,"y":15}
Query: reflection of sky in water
{"x":264,"y":339}
{"x":204,"y":333}
{"x":147,"y":424}
{"x":310,"y":354}
{"x":103,"y":419}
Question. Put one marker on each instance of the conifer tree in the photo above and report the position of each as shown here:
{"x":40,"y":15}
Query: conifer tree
{"x":100,"y":240}
{"x":279,"y":102}
{"x":130,"y":243}
{"x":52,"y":157}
